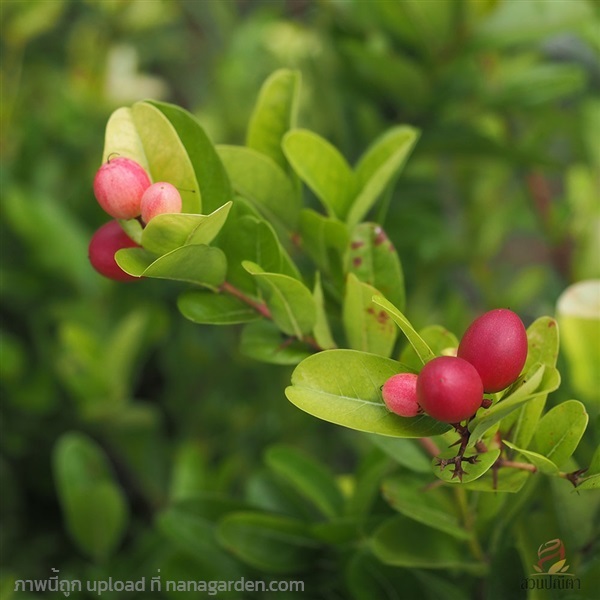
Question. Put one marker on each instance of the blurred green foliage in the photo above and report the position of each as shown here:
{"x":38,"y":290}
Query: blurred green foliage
{"x":498,"y":206}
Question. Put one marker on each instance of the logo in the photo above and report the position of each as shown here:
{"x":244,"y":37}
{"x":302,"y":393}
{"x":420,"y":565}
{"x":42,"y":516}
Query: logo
{"x":551,"y":557}
{"x":551,"y":569}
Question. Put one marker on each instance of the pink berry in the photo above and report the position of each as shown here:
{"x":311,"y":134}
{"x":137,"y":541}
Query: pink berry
{"x":118,"y":187}
{"x":400,"y":394}
{"x":449,"y":389}
{"x":496,"y":345}
{"x":160,"y":198}
{"x":104,"y":243}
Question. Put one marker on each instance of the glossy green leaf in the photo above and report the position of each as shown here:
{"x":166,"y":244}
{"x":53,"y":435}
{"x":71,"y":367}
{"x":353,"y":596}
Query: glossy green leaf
{"x":133,"y":228}
{"x":344,"y":387}
{"x":367,"y":327}
{"x":167,"y":232}
{"x":209,"y":308}
{"x":504,"y":480}
{"x":371,"y":256}
{"x":274,"y":114}
{"x":471,"y":471}
{"x":438,"y":338}
{"x":322,"y":168}
{"x":270,"y":543}
{"x":215,"y":188}
{"x":542,"y":341}
{"x":402,"y":542}
{"x":539,"y":381}
{"x":289,"y":300}
{"x":560,"y":430}
{"x":262,"y":181}
{"x":543,"y":464}
{"x":264,"y":341}
{"x":121,"y":138}
{"x":168,"y":158}
{"x":249,"y":238}
{"x":378,"y":166}
{"x":93,"y":504}
{"x":420,"y":346}
{"x":589,"y":483}
{"x":321,"y":331}
{"x":200,"y":264}
{"x":308,"y":477}
{"x":431,"y":507}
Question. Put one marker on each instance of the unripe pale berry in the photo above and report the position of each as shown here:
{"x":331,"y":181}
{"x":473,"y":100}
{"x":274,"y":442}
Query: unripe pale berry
{"x":104,"y":243}
{"x":400,"y":394}
{"x":160,"y":198}
{"x":496,"y":345}
{"x":118,"y":187}
{"x":449,"y":389}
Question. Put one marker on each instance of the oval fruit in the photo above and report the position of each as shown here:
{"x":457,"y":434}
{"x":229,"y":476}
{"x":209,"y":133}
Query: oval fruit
{"x":400,"y":394}
{"x":104,"y":243}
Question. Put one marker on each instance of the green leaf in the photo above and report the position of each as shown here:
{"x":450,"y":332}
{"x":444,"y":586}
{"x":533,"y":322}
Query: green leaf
{"x":262,"y":181}
{"x":403,"y":451}
{"x":506,"y":480}
{"x":438,"y":338}
{"x":472,"y":471}
{"x":249,"y":238}
{"x":423,"y":351}
{"x":308,"y":477}
{"x":270,"y":543}
{"x":209,"y":308}
{"x":403,"y":542}
{"x":322,"y":168}
{"x":543,"y":464}
{"x":371,"y":256}
{"x":167,"y":232}
{"x":538,"y":381}
{"x":430,"y":507}
{"x":589,"y":483}
{"x":559,"y":431}
{"x":214,"y":186}
{"x":378,"y":166}
{"x":190,"y":472}
{"x":542,"y":341}
{"x":325,"y":240}
{"x":344,"y":387}
{"x":367,"y":327}
{"x":121,"y":138}
{"x":321,"y":332}
{"x":289,"y":300}
{"x":263,"y":341}
{"x":274,"y":114}
{"x":93,"y":505}
{"x":167,"y":157}
{"x":199,"y":264}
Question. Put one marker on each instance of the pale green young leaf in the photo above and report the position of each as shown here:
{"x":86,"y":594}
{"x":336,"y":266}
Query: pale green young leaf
{"x":472,"y":472}
{"x":200,"y":264}
{"x":420,"y":346}
{"x":274,"y":114}
{"x":367,"y":327}
{"x":377,"y":167}
{"x":344,"y":387}
{"x":121,"y":138}
{"x":371,"y":256}
{"x":543,"y":464}
{"x":167,"y":232}
{"x":322,"y":331}
{"x":322,"y":168}
{"x":589,"y":483}
{"x":289,"y":300}
{"x":438,"y":338}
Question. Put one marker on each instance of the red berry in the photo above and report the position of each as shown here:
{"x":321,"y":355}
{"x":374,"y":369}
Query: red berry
{"x":400,"y":394}
{"x":118,"y":187}
{"x":104,"y":243}
{"x":449,"y":389}
{"x":160,"y":198}
{"x":496,"y":345}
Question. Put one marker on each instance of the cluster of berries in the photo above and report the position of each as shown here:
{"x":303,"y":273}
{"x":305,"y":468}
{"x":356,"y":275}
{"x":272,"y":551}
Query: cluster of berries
{"x":490,"y":357}
{"x":124,"y":190}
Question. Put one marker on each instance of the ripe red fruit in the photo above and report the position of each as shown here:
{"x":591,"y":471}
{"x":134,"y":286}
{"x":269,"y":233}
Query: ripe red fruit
{"x":449,"y":389}
{"x":400,"y":394}
{"x":496,"y":345}
{"x":118,"y":187}
{"x":104,"y":243}
{"x":160,"y":198}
